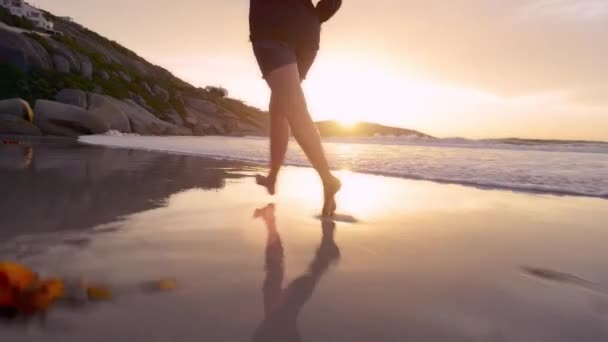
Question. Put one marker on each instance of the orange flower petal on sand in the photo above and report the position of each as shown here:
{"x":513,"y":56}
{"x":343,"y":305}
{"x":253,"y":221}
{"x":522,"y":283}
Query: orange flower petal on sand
{"x":47,"y":293}
{"x":19,"y":277}
{"x":20,"y":288}
{"x":98,"y":293}
{"x":7,"y":297}
{"x":167,"y":284}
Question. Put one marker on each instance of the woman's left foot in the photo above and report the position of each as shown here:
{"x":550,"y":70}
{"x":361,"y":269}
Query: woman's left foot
{"x":329,"y":191}
{"x":266,"y":182}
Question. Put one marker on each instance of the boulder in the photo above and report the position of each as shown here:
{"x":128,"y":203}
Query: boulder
{"x":208,"y":125}
{"x":206,"y":117}
{"x":72,"y":57}
{"x":230,"y":115}
{"x":15,"y":58}
{"x":139,"y":100}
{"x":244,"y":128}
{"x":105,"y":75}
{"x":34,"y":54}
{"x":18,"y":108}
{"x":190,"y":121}
{"x":57,"y":118}
{"x":175,"y":118}
{"x":109,"y":109}
{"x":144,"y":122}
{"x":204,"y":106}
{"x":202,"y":129}
{"x":10,"y":124}
{"x":74,"y":97}
{"x":61,"y":64}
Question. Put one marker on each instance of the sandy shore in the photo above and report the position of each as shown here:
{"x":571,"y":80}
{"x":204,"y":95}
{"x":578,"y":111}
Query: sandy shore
{"x":404,"y":261}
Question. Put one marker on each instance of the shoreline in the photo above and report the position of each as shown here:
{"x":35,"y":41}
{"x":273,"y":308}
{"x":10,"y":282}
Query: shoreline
{"x":532,"y":189}
{"x":82,"y":140}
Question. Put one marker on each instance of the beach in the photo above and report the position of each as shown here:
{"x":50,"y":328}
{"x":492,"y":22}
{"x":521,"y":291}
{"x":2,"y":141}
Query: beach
{"x":403,"y":260}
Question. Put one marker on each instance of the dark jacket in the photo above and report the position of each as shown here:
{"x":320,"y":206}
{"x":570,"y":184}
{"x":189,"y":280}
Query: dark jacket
{"x":296,"y":22}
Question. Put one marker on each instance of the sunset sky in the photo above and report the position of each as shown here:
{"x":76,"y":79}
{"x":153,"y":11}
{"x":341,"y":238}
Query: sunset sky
{"x":472,"y":68}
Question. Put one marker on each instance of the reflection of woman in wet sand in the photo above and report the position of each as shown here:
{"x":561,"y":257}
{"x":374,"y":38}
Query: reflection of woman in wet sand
{"x":282,"y":306}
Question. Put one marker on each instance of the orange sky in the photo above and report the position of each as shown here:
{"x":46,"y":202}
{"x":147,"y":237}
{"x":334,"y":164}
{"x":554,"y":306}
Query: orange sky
{"x":473,"y":68}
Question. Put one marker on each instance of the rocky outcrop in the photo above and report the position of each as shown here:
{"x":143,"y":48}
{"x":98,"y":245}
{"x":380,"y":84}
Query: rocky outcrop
{"x":201,"y":106}
{"x":84,"y":113}
{"x":57,"y":118}
{"x":204,"y":117}
{"x":61,"y":64}
{"x":123,"y":116}
{"x":147,"y":99}
{"x":144,"y":122}
{"x":110,"y":109}
{"x":17,"y":108}
{"x":175,"y":118}
{"x":189,"y":120}
{"x":74,"y":97}
{"x":124,"y":76}
{"x":33,"y":53}
{"x":162,"y":93}
{"x":86,"y":68}
{"x":10,"y":124}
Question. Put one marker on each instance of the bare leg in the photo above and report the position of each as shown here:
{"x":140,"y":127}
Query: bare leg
{"x":279,"y":139}
{"x":289,"y":99}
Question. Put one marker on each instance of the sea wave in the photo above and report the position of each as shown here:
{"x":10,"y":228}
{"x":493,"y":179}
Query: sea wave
{"x":580,"y":170}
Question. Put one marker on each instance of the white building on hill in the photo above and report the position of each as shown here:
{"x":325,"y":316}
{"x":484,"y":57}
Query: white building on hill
{"x":22,"y":9}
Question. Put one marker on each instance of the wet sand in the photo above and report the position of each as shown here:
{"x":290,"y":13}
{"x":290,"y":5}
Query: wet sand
{"x":404,"y":260}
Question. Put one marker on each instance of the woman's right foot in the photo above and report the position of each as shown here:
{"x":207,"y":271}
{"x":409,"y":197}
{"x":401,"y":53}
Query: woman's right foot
{"x":330,"y":188}
{"x":267,"y":182}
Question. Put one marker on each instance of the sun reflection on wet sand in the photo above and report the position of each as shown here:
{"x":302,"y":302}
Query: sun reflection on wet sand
{"x":422,"y":260}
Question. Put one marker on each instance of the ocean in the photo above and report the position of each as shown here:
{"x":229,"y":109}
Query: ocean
{"x":548,"y":167}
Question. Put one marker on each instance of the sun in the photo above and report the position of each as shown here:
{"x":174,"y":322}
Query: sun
{"x":348,"y":122}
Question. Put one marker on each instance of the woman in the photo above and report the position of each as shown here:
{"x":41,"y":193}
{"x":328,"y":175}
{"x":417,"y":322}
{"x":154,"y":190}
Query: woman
{"x":285,"y":36}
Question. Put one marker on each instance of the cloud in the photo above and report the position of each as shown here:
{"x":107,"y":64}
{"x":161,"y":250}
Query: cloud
{"x":581,"y":10}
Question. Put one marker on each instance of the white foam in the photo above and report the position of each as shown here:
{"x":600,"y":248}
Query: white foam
{"x":578,"y":170}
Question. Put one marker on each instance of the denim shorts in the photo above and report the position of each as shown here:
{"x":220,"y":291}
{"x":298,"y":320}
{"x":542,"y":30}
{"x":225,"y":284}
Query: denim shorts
{"x":273,"y":54}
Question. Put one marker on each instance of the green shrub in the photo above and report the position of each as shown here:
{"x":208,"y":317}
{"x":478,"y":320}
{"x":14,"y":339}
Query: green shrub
{"x":71,"y":43}
{"x":114,"y":87}
{"x":178,"y":106}
{"x":217,"y":91}
{"x":8,"y":81}
{"x":38,"y":84}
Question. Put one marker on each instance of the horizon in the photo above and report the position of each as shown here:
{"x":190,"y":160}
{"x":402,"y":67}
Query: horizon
{"x":460,"y":82}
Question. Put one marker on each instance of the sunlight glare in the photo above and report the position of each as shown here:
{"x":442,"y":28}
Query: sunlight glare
{"x":368,"y":90}
{"x":348,"y":122}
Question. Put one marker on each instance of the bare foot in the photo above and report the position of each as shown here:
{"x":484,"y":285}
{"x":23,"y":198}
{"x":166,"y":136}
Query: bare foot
{"x":329,"y":191}
{"x":266,"y":182}
{"x":264,"y":212}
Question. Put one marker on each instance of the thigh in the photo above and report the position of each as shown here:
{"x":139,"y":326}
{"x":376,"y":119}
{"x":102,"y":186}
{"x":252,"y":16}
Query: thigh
{"x":305,"y":57}
{"x":284,"y":82}
{"x":272,"y":55}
